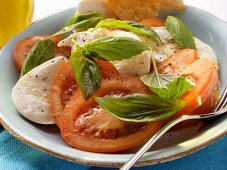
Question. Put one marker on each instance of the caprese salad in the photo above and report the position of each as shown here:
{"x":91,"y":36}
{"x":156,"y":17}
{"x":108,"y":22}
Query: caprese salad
{"x":111,"y":84}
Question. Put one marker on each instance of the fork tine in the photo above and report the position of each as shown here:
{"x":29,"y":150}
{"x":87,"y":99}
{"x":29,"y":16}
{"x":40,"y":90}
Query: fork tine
{"x":223,"y":100}
{"x":223,"y":105}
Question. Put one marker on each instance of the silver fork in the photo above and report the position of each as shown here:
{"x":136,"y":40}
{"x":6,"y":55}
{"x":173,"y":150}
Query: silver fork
{"x":219,"y":110}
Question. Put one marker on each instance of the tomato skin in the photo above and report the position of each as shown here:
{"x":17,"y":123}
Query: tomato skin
{"x":153,"y":22}
{"x":89,"y":142}
{"x":64,"y":85}
{"x":23,"y":47}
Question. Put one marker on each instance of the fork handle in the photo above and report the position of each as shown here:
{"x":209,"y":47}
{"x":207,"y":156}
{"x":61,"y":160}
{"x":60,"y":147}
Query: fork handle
{"x":149,"y":143}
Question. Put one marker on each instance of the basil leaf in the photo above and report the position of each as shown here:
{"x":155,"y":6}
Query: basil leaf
{"x":81,"y":22}
{"x":81,"y":17}
{"x":40,"y":53}
{"x":172,"y":87}
{"x":180,"y":33}
{"x":87,"y":73}
{"x":130,"y":26}
{"x":112,"y":48}
{"x":175,"y":89}
{"x":152,"y":81}
{"x":140,"y":107}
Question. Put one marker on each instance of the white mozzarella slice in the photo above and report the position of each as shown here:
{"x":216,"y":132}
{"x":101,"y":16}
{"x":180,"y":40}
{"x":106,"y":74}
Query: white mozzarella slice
{"x":169,"y":47}
{"x":84,"y":36}
{"x":31,"y":93}
{"x":120,"y":33}
{"x":101,"y":6}
{"x":137,"y":65}
{"x":205,"y":51}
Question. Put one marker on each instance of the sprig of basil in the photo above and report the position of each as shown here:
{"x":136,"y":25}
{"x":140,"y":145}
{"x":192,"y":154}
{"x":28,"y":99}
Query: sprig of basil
{"x":180,"y":33}
{"x":130,"y":26}
{"x":140,"y":107}
{"x":43,"y":51}
{"x":114,"y":48}
{"x":86,"y":70}
{"x":87,"y":73}
{"x":81,"y":22}
{"x":171,"y":86}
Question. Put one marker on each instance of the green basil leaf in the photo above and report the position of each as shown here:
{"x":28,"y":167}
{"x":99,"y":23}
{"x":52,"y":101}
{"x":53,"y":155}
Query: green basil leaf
{"x":82,"y":17}
{"x":172,"y":87}
{"x":40,"y":53}
{"x":130,"y":26}
{"x":140,"y":107}
{"x":81,"y":22}
{"x":180,"y":33}
{"x":87,"y":73}
{"x":112,"y":48}
{"x":152,"y":81}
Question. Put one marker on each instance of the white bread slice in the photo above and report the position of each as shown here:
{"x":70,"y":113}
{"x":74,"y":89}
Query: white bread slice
{"x":137,"y":10}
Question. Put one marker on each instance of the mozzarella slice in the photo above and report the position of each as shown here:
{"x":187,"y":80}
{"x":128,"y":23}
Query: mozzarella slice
{"x":205,"y":51}
{"x":137,"y":65}
{"x":101,"y":6}
{"x":31,"y":93}
{"x":169,"y":47}
{"x":165,"y":49}
{"x":84,"y":36}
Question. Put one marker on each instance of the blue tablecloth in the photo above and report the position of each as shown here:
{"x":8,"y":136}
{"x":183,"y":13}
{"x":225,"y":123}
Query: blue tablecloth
{"x":14,"y":155}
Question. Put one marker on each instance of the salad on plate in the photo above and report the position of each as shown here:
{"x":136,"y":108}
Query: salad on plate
{"x":111,"y":78}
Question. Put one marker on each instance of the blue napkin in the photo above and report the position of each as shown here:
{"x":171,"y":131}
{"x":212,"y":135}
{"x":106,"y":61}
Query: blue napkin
{"x":14,"y":155}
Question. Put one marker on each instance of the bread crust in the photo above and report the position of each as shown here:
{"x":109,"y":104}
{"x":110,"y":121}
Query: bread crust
{"x":137,"y":10}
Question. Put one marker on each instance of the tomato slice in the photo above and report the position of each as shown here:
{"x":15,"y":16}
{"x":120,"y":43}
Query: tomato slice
{"x":205,"y":75}
{"x":153,"y":22}
{"x":24,"y":46}
{"x":201,"y":71}
{"x":86,"y":126}
{"x":178,"y":62}
{"x":63,"y":86}
{"x":107,"y":68}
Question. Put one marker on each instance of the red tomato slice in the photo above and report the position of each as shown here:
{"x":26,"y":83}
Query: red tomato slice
{"x":63,"y":86}
{"x":177,"y":62}
{"x":206,"y":77}
{"x":107,"y":68}
{"x":24,"y":46}
{"x":201,"y":71}
{"x":153,"y":22}
{"x":85,"y":126}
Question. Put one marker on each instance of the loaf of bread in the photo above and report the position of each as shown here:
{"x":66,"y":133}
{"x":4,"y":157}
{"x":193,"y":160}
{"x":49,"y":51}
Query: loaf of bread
{"x":137,"y":10}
